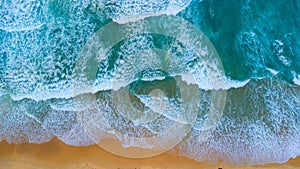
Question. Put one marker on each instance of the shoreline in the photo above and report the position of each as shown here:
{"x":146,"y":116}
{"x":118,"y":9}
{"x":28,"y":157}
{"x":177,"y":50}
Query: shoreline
{"x":57,"y":155}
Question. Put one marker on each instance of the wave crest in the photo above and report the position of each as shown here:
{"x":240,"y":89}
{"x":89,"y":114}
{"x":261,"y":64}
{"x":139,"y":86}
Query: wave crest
{"x":131,"y":10}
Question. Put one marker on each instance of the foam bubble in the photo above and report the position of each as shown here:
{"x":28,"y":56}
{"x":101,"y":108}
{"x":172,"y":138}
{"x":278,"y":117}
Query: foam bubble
{"x":77,"y":103}
{"x":38,"y":64}
{"x":198,"y":57}
{"x":296,"y":78}
{"x":66,"y":127}
{"x":132,"y":127}
{"x":260,"y":124}
{"x":280,"y":51}
{"x":262,"y":109}
{"x":235,"y":83}
{"x":131,"y":10}
{"x":22,"y":15}
{"x":21,"y":126}
{"x":272,"y":71}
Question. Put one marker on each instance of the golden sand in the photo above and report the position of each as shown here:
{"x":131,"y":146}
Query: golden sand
{"x":57,"y":155}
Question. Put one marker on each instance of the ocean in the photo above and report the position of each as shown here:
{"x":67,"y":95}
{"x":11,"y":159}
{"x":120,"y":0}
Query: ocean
{"x":209,"y":80}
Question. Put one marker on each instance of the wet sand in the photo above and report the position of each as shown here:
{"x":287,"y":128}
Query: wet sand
{"x":57,"y":155}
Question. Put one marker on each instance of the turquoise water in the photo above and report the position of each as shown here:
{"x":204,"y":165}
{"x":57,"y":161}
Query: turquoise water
{"x":260,"y":35}
{"x":258,"y":44}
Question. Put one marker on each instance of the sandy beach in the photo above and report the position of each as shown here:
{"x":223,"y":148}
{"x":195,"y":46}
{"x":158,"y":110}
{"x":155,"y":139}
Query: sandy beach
{"x":57,"y":155}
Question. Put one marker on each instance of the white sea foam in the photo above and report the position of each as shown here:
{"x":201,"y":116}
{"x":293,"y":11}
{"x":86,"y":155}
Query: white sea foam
{"x":77,"y":103}
{"x":243,"y":137}
{"x":17,"y":29}
{"x":296,"y":78}
{"x":235,"y":83}
{"x":243,"y":132}
{"x":116,"y":85}
{"x":22,"y":15}
{"x":131,"y":11}
{"x":272,"y":71}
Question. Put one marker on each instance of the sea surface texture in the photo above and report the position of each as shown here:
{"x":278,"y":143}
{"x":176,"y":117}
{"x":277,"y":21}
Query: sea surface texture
{"x":60,"y":77}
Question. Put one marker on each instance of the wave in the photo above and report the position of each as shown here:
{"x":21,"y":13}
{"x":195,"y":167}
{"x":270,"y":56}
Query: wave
{"x":260,"y":124}
{"x":65,"y":77}
{"x":270,"y":109}
{"x":16,"y":29}
{"x":43,"y":96}
{"x":235,"y":83}
{"x":68,"y":93}
{"x":132,"y":11}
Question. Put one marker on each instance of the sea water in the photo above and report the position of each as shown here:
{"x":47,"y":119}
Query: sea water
{"x":258,"y":45}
